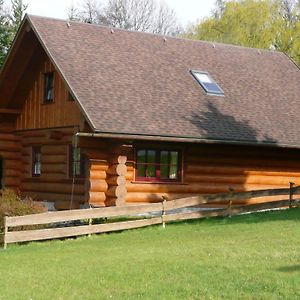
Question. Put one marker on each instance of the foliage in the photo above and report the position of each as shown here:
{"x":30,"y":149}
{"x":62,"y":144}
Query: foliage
{"x":267,"y":24}
{"x":140,"y":15}
{"x":10,"y":20}
{"x":244,"y":257}
{"x":12,"y":204}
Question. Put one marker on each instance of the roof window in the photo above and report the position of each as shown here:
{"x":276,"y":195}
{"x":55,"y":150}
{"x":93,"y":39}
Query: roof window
{"x":208,"y":84}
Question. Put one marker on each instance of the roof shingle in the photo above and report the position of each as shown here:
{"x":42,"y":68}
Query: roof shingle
{"x":139,"y":83}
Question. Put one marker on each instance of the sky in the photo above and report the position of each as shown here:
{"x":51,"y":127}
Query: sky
{"x":188,"y":11}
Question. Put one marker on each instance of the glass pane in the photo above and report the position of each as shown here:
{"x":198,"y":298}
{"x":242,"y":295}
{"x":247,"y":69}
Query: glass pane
{"x":141,"y":171}
{"x":141,"y":156}
{"x":173,"y":165}
{"x":151,"y":160}
{"x":164,"y":157}
{"x":164,"y":164}
{"x":151,"y":171}
{"x":151,"y":156}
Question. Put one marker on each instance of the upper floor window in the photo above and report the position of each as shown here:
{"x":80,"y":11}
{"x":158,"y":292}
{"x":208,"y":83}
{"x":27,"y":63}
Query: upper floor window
{"x":48,"y":87}
{"x":207,"y":83}
{"x":158,"y":165}
{"x":36,"y":161}
{"x":76,"y":162}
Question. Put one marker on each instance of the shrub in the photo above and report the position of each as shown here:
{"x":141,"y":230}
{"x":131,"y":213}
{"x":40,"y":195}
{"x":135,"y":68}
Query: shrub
{"x":12,"y":204}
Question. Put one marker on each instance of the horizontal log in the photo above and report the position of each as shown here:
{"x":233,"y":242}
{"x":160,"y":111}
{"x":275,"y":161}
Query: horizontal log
{"x":116,"y":191}
{"x":10,"y":155}
{"x":82,"y":214}
{"x":117,"y":169}
{"x":44,"y":234}
{"x":55,"y":150}
{"x":96,"y":198}
{"x":229,"y":169}
{"x":12,"y":181}
{"x":62,"y":188}
{"x":97,"y":185}
{"x":95,"y":154}
{"x":8,"y":146}
{"x":9,"y":137}
{"x":54,"y":168}
{"x":65,"y":205}
{"x":12,"y":173}
{"x":54,"y":197}
{"x":98,"y":166}
{"x":243,"y":179}
{"x":200,"y":188}
{"x":94,"y":175}
{"x":12,"y":164}
{"x":116,"y":180}
{"x":53,"y":159}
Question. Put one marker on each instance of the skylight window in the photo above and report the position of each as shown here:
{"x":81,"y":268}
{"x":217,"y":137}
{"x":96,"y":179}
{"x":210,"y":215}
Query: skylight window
{"x":208,"y":84}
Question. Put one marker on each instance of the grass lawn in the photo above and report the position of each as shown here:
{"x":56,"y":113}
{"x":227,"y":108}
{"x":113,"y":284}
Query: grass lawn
{"x":246,"y":257}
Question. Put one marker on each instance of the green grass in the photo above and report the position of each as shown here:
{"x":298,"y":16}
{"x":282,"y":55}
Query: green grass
{"x":246,"y":257}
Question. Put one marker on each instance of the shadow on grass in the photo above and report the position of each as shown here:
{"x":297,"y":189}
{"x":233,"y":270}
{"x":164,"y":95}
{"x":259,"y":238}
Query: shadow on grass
{"x":258,"y":217}
{"x":289,"y":269}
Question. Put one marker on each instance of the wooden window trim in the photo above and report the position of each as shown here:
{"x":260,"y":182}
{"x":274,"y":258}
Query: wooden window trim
{"x":157,"y":179}
{"x":35,"y":150}
{"x":45,"y":98}
{"x":71,"y":162}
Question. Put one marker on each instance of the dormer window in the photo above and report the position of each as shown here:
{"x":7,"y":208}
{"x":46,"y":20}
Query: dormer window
{"x":207,"y":83}
{"x":48,"y":87}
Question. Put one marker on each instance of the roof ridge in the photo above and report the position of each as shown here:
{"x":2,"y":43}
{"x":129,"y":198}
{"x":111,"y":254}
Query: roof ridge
{"x":156,"y":34}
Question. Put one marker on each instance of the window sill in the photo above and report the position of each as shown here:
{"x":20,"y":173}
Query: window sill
{"x":48,"y":102}
{"x":159,"y":182}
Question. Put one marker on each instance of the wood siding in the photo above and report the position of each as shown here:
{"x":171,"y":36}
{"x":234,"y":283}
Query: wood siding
{"x":36,"y":114}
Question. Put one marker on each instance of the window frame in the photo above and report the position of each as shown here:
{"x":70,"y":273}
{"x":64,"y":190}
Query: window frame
{"x":71,"y":163}
{"x":45,"y":98}
{"x":157,"y":178}
{"x":36,"y":150}
{"x":207,"y":91}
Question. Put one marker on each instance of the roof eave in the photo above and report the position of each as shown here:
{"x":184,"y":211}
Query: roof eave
{"x":178,"y":139}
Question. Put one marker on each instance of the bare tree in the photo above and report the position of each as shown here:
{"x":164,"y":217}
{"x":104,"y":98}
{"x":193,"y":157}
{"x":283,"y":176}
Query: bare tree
{"x":140,"y":15}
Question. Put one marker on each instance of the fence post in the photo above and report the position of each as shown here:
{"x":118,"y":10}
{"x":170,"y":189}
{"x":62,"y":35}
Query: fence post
{"x":231,"y":190}
{"x":291,"y":194}
{"x":5,"y":232}
{"x":163,"y":211}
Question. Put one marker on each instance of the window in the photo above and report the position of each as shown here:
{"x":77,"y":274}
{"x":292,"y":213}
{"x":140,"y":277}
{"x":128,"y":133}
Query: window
{"x":158,"y":165}
{"x":208,"y":84}
{"x":36,"y":161}
{"x":48,"y":87}
{"x":76,"y":162}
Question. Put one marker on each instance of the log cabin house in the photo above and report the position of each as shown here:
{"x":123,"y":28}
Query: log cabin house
{"x":101,"y":116}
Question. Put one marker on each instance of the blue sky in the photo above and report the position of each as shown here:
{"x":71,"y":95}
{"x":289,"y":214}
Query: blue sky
{"x":187,"y":10}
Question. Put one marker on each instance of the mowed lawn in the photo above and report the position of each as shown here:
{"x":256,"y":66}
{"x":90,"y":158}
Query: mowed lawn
{"x":246,"y":257}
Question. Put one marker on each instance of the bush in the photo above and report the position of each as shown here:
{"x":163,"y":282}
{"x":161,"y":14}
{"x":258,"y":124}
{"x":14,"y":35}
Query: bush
{"x":12,"y":204}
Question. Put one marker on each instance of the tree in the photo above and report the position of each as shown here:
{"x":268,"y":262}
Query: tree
{"x":267,"y":24}
{"x":139,"y":15}
{"x":10,"y":20}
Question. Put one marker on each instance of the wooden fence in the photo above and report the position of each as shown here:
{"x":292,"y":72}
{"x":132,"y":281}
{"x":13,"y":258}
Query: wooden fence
{"x":159,"y":213}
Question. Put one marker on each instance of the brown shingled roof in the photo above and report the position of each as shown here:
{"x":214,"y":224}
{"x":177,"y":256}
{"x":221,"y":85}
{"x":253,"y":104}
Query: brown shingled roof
{"x":139,"y":83}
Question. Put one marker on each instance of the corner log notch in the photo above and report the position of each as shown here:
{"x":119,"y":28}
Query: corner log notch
{"x":116,"y":180}
{"x":106,"y":171}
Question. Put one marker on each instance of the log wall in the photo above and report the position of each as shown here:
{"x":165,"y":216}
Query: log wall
{"x":10,"y":155}
{"x":36,"y":114}
{"x":209,"y":169}
{"x":54,"y":184}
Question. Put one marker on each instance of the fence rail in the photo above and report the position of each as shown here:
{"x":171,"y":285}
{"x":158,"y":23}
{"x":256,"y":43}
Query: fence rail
{"x":160,"y":213}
